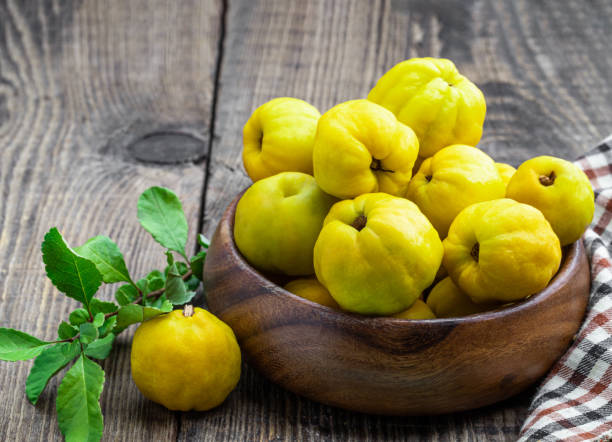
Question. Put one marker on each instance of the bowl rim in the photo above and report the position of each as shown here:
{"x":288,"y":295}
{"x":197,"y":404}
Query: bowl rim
{"x":571,"y":257}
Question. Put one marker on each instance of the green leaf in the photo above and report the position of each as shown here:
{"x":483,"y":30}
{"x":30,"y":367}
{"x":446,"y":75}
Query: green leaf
{"x":78,"y":409}
{"x":203,"y":241}
{"x":66,"y":331}
{"x":47,"y":364}
{"x":143,"y":285}
{"x":100,"y":348}
{"x":176,"y":292}
{"x":16,"y":345}
{"x":72,"y":274}
{"x":126,"y":294}
{"x":134,"y":313}
{"x":197,"y":264}
{"x":169,"y":258}
{"x":98,"y":320}
{"x":78,"y":316}
{"x":104,"y":253}
{"x":89,"y":333}
{"x":156,"y":284}
{"x":98,"y":306}
{"x":161,"y":214}
{"x":108,"y":326}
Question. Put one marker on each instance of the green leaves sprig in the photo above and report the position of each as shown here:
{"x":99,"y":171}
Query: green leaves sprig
{"x":90,"y":330}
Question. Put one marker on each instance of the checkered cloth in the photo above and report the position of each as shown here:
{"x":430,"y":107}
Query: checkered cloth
{"x":574,"y":402}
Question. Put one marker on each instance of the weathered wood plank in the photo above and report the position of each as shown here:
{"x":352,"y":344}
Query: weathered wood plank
{"x":544,"y":68}
{"x":83,"y":85}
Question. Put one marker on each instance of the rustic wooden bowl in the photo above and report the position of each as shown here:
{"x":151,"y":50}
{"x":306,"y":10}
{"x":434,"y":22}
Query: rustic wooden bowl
{"x":393,"y":366}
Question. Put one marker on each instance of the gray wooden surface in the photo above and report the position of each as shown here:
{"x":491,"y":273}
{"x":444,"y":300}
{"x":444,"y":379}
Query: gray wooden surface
{"x":99,"y":100}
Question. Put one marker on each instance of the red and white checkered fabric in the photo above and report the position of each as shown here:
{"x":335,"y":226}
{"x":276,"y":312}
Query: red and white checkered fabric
{"x":574,"y":402}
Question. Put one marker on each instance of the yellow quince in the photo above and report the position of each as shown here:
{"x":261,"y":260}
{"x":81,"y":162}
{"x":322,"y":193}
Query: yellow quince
{"x":451,"y":180}
{"x":278,"y":220}
{"x":185,"y":360}
{"x":360,"y":147}
{"x":501,"y":251}
{"x":376,"y":254}
{"x":446,"y":300}
{"x":560,"y":190}
{"x":418,"y":310}
{"x":505,"y":171}
{"x":313,"y":290}
{"x":430,"y":95}
{"x":278,"y":137}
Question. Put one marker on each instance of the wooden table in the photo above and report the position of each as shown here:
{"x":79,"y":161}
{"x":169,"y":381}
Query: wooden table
{"x":101,"y":99}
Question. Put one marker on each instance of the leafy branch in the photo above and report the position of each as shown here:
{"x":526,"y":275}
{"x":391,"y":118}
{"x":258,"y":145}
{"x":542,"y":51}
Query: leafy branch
{"x":91,"y":329}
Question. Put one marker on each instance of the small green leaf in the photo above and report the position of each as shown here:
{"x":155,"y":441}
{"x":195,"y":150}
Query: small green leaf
{"x":72,"y":274}
{"x":16,"y":345}
{"x":197,"y":264}
{"x":143,"y":285}
{"x":169,"y":258}
{"x":134,"y":313}
{"x":126,"y":294}
{"x":156,"y":284}
{"x":108,"y":326}
{"x":203,"y":241}
{"x":47,"y":364}
{"x":100,"y":348}
{"x":66,"y":331}
{"x":98,"y":306}
{"x":176,"y":292}
{"x":104,"y":253}
{"x":161,"y":214}
{"x":89,"y":333}
{"x":98,"y":320}
{"x":78,"y":316}
{"x":78,"y":409}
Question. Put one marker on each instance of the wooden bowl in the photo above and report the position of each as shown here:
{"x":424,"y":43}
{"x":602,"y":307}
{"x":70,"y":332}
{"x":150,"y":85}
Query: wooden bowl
{"x":393,"y":366}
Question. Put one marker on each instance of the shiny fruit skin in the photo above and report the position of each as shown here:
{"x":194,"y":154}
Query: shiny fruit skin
{"x":376,"y":254}
{"x":505,"y":171}
{"x":185,"y":363}
{"x":565,"y":198}
{"x":313,"y":290}
{"x":446,"y":300}
{"x":360,"y":147}
{"x":278,"y":137}
{"x":454,"y":178}
{"x":418,"y":310}
{"x":501,"y":251}
{"x":278,"y":220}
{"x":430,"y":95}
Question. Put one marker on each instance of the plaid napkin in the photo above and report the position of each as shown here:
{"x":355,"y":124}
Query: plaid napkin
{"x":574,"y":402}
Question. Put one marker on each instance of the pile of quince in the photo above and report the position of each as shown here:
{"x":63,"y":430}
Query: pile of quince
{"x":392,"y":208}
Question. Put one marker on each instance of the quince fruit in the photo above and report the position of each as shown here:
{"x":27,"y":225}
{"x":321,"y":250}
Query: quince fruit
{"x":313,"y":290}
{"x":560,"y":190}
{"x":451,"y":180}
{"x":376,"y":254}
{"x":360,"y":147}
{"x":446,"y":300}
{"x":430,"y":95}
{"x":418,"y":310}
{"x":278,"y":137}
{"x":278,"y":220}
{"x":501,"y":251}
{"x":505,"y":172}
{"x":185,"y":360}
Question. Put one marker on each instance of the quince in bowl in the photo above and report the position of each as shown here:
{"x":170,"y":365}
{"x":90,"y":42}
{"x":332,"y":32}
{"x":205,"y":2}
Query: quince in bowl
{"x":388,"y":365}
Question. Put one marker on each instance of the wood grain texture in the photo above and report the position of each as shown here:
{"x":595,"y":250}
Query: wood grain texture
{"x":392,"y":366}
{"x":81,"y":82}
{"x":544,"y":69}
